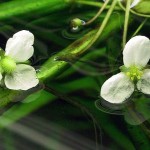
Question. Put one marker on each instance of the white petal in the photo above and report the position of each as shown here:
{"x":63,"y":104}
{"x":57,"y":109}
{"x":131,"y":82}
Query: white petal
{"x":1,"y":77}
{"x":134,"y":3}
{"x":19,"y":47}
{"x":143,"y":84}
{"x":137,"y":51}
{"x":23,"y":78}
{"x":117,"y":89}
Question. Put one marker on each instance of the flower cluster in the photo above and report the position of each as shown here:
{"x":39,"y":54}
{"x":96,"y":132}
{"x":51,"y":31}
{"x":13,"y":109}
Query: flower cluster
{"x":134,"y":74}
{"x":14,"y":73}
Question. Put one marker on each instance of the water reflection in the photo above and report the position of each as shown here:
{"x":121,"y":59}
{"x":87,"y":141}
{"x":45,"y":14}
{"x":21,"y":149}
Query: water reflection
{"x":135,"y":110}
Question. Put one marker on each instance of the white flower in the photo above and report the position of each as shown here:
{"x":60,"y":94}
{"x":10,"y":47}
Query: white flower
{"x":134,"y":3}
{"x":17,"y":75}
{"x":120,"y":87}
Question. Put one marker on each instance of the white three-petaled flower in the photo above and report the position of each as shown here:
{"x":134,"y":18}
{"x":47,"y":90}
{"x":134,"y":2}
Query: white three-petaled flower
{"x":17,"y":75}
{"x":136,"y":55}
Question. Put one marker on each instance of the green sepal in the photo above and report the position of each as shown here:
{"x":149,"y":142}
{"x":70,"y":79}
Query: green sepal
{"x":123,"y":68}
{"x":2,"y":53}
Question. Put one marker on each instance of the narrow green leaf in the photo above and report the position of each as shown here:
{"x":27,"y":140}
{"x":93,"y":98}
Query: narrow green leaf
{"x":13,"y":8}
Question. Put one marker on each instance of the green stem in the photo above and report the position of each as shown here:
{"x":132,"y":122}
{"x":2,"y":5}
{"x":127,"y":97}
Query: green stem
{"x":98,"y":14}
{"x":140,"y":27}
{"x":100,"y":30}
{"x":58,"y":62}
{"x":132,"y":11}
{"x":127,"y":13}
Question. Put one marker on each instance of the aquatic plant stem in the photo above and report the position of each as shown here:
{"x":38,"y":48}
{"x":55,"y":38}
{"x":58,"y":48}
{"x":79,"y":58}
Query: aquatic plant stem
{"x":100,"y":30}
{"x":127,"y":13}
{"x":140,"y":27}
{"x":98,"y":13}
{"x":132,"y":11}
{"x":77,"y":49}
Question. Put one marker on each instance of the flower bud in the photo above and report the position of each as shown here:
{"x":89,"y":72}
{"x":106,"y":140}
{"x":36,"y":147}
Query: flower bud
{"x":76,"y":23}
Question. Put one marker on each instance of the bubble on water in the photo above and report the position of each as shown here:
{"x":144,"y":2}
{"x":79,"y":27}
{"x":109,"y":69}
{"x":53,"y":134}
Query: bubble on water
{"x":75,"y":28}
{"x":83,"y":22}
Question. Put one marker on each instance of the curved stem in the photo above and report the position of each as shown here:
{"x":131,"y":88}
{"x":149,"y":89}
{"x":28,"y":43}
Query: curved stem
{"x":126,"y":22}
{"x":100,"y":30}
{"x":57,"y":63}
{"x":98,"y":13}
{"x":133,"y":12}
{"x":140,"y":27}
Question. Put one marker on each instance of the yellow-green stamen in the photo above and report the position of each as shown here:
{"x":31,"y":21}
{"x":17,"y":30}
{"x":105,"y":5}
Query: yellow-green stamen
{"x":8,"y":65}
{"x":134,"y":73}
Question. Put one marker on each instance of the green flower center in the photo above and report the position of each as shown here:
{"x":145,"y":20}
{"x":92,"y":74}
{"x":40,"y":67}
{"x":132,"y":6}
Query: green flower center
{"x":133,"y":72}
{"x":8,"y":65}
